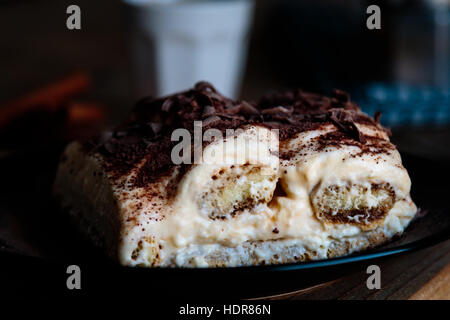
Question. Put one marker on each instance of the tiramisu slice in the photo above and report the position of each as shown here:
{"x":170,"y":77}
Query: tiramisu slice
{"x":295,"y":177}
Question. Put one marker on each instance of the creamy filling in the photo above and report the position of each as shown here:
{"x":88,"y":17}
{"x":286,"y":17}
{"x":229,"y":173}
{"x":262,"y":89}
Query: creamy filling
{"x":295,"y":213}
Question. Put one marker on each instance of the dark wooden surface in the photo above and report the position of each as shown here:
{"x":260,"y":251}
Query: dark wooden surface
{"x":420,"y":275}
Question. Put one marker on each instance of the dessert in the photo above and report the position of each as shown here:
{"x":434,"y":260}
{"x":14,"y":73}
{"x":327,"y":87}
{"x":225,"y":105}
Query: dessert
{"x":295,"y":177}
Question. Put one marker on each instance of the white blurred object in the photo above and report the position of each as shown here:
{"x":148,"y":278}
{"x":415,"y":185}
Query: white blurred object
{"x":176,"y":43}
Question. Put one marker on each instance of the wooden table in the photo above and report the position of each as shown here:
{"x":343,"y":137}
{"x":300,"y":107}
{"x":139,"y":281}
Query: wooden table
{"x":420,"y":275}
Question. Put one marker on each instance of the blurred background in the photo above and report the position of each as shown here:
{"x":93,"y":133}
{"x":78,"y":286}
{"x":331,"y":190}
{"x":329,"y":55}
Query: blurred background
{"x":58,"y":84}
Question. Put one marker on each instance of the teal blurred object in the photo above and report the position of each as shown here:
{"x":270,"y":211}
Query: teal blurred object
{"x":405,"y":105}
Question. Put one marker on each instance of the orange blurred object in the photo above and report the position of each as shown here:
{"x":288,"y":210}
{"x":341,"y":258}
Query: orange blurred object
{"x":49,"y":98}
{"x":85,"y":112}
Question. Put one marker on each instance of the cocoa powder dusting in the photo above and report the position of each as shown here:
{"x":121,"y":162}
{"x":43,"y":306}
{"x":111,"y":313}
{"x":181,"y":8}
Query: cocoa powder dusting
{"x":144,"y":139}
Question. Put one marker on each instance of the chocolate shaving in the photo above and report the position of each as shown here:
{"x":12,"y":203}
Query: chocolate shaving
{"x":210,"y":121}
{"x":244,"y":109}
{"x":208,"y":111}
{"x":167,"y":104}
{"x":279,"y":110}
{"x":377,"y":116}
{"x":343,"y":120}
{"x":341,"y":96}
{"x":156,"y":127}
{"x":146,"y":135}
{"x":230,"y":115}
{"x":204,"y":86}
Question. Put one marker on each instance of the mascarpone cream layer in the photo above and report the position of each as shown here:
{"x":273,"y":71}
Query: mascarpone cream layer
{"x":173,"y":223}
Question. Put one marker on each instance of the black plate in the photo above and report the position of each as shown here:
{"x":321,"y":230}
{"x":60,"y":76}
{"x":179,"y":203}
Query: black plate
{"x":37,"y":243}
